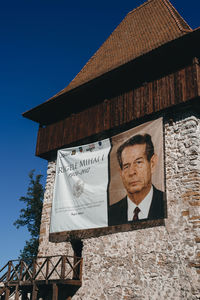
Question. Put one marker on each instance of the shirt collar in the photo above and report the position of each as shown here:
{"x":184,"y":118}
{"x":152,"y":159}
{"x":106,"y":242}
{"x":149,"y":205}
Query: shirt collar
{"x":144,"y":206}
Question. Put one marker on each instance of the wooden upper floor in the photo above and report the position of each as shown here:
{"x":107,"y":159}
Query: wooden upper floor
{"x":103,"y":119}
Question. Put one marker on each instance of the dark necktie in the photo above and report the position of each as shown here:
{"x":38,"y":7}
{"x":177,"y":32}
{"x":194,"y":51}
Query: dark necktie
{"x":136,"y":212}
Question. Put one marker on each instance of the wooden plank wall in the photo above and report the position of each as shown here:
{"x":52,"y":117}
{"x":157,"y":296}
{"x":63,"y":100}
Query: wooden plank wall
{"x":151,"y":97}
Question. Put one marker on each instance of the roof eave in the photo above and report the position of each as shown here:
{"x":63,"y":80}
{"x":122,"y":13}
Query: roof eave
{"x":38,"y":113}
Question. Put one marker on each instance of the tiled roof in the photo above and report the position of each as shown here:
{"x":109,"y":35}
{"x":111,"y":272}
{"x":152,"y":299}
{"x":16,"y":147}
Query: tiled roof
{"x":145,"y":28}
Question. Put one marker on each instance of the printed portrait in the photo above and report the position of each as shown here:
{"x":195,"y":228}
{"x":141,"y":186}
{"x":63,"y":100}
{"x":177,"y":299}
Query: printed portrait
{"x":136,"y":189}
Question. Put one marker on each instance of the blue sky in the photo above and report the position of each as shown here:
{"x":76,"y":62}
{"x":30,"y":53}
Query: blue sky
{"x":43,"y":45}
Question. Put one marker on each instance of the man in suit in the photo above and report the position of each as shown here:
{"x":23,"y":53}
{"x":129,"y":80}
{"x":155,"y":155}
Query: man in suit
{"x":137,"y":162}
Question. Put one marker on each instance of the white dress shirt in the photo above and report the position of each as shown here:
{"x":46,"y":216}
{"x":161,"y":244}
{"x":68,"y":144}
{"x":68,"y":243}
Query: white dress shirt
{"x":144,"y":206}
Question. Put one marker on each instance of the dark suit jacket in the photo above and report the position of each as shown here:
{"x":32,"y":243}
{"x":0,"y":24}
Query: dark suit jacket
{"x":117,"y":213}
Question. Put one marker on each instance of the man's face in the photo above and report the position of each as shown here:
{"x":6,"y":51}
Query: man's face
{"x":136,"y":170}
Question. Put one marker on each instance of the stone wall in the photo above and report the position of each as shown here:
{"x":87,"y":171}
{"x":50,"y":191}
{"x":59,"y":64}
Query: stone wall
{"x":154,"y":263}
{"x":46,"y":248}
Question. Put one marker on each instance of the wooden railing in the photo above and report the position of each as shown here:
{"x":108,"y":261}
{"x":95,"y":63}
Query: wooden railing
{"x":17,"y":275}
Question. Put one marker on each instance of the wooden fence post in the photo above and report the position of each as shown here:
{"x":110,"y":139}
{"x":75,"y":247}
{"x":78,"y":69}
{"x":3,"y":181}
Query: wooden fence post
{"x":21,"y":270}
{"x":17,"y":292}
{"x":47,"y":270}
{"x":55,"y":292}
{"x":24,"y":295}
{"x":7,"y":293}
{"x":9,"y":271}
{"x":80,"y":268}
{"x":34,"y":292}
{"x":34,"y":269}
{"x":63,"y":266}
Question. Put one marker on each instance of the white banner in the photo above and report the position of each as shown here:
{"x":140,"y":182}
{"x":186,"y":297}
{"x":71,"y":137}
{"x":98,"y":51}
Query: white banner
{"x":80,"y":193}
{"x":99,"y":185}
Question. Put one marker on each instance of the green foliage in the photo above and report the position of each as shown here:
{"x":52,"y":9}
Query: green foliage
{"x":30,"y":250}
{"x":30,"y":216}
